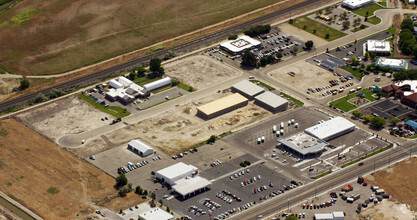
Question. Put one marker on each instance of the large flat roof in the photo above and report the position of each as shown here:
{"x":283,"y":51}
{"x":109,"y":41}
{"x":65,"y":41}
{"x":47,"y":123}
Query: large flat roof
{"x":329,"y":128}
{"x":393,"y":63}
{"x":303,"y":143}
{"x":356,"y":3}
{"x":242,"y":43}
{"x":188,"y":185}
{"x":156,"y":213}
{"x":177,"y":169}
{"x":223,"y":103}
{"x":139,"y":145}
{"x":378,"y":46}
{"x":249,"y":88}
{"x":411,"y":83}
{"x":271,"y":99}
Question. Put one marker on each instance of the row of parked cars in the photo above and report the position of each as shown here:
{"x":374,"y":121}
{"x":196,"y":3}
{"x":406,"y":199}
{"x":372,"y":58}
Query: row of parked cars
{"x":131,"y":166}
{"x":180,"y":155}
{"x":240,"y":173}
{"x":228,"y":196}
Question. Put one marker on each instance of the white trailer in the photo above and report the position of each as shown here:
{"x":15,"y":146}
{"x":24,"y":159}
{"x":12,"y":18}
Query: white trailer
{"x":274,"y":129}
{"x":282,"y":125}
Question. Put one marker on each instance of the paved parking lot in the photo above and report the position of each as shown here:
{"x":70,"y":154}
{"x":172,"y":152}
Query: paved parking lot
{"x":389,"y":109}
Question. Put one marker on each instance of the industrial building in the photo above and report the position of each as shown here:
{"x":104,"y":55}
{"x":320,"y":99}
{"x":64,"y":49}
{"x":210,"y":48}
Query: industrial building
{"x":221,"y":106}
{"x":303,"y":144}
{"x":379,"y":47}
{"x":140,"y":148}
{"x":125,"y":91}
{"x":395,"y":64}
{"x":356,"y":4}
{"x":175,"y":172}
{"x":271,"y":102}
{"x":247,"y":89}
{"x":330,"y":216}
{"x":158,"y":84}
{"x":405,"y":90}
{"x":331,"y":129}
{"x":189,"y":186}
{"x":156,"y":214}
{"x":239,"y":45}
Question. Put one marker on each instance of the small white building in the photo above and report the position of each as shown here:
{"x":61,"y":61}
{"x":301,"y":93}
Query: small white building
{"x":240,"y":44}
{"x":175,"y":172}
{"x":140,"y":148}
{"x":156,"y":214}
{"x":113,"y":83}
{"x":356,"y":4}
{"x":158,"y":84}
{"x":411,"y":1}
{"x":323,"y":216}
{"x":338,"y":215}
{"x":380,"y":47}
{"x":395,"y":64}
{"x":188,"y":186}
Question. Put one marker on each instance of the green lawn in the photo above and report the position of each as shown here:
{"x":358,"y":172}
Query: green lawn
{"x":270,"y":88}
{"x":346,"y":106}
{"x":144,"y":80}
{"x":370,"y":9}
{"x":323,"y":174}
{"x":321,"y":29}
{"x":374,"y":20}
{"x":116,"y":111}
{"x":359,"y":29}
{"x":392,"y":30}
{"x":356,"y":73}
{"x":296,"y":101}
{"x":383,"y":3}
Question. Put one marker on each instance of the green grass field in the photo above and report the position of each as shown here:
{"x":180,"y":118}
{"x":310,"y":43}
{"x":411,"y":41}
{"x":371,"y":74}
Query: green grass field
{"x":392,"y":30}
{"x":374,"y":20}
{"x":356,"y":73}
{"x":321,"y":29}
{"x":270,"y":88}
{"x":383,"y":3}
{"x":115,"y":111}
{"x":346,"y":106}
{"x":296,"y":101}
{"x":368,"y":9}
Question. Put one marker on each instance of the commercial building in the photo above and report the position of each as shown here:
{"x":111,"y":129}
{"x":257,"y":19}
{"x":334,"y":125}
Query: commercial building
{"x":303,"y":144}
{"x":125,"y":91}
{"x":158,"y":84}
{"x":189,"y":186}
{"x":356,"y":4}
{"x":331,"y":129}
{"x":338,"y":62}
{"x":156,"y":214}
{"x":405,"y":90}
{"x":328,"y":65}
{"x":271,"y":102}
{"x":330,"y":216}
{"x":411,"y":125}
{"x":395,"y":64}
{"x":140,"y":148}
{"x":411,"y":2}
{"x":175,"y":172}
{"x":247,"y":89}
{"x":221,"y":106}
{"x":239,"y":45}
{"x":380,"y":47}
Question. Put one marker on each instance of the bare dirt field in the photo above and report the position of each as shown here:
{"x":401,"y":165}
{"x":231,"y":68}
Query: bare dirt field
{"x":7,"y":86}
{"x":300,"y":34}
{"x":46,"y":178}
{"x":45,"y":37}
{"x":306,"y":75}
{"x":387,"y":210}
{"x":200,"y":71}
{"x":64,"y":116}
{"x":399,"y":181}
{"x":177,"y":129}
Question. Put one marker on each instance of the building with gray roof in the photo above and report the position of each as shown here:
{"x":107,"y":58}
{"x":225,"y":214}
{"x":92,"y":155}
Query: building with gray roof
{"x":271,"y":102}
{"x":247,"y":89}
{"x":303,"y":144}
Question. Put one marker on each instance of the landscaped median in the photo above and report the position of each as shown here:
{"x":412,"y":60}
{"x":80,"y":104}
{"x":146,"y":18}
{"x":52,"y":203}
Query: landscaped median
{"x":323,"y":174}
{"x":367,"y":156}
{"x":115,"y":111}
{"x":354,"y":100}
{"x":317,"y":28}
{"x":296,"y":101}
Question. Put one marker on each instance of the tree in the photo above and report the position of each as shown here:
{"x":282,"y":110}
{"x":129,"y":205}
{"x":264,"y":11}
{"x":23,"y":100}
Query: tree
{"x":394,"y":121}
{"x":291,"y":217}
{"x":367,"y":118}
{"x":168,"y":209}
{"x":309,"y":44}
{"x":279,"y":55}
{"x":378,"y":122}
{"x":138,"y":190}
{"x":121,"y":180}
{"x":141,"y":71}
{"x":212,"y":139}
{"x":415,"y":52}
{"x":161,"y":202}
{"x":169,"y":55}
{"x":305,"y":27}
{"x":354,"y":61}
{"x":153,"y":196}
{"x":407,"y":24}
{"x":346,"y":25}
{"x":366,"y":18}
{"x":327,"y":36}
{"x":145,"y":192}
{"x":362,"y":66}
{"x":132,"y":75}
{"x":366,"y":57}
{"x":314,"y":31}
{"x":155,"y":64}
{"x":24,"y":83}
{"x":362,"y":26}
{"x":263,"y":61}
{"x":232,"y":37}
{"x":368,"y":68}
{"x":357,"y":113}
{"x":249,"y":59}
{"x":40,"y":98}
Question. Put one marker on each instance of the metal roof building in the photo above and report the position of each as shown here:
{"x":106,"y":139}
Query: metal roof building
{"x":323,"y":216}
{"x":158,"y":84}
{"x":189,"y":185}
{"x":412,"y":125}
{"x":247,"y":89}
{"x":175,"y":172}
{"x":303,"y":144}
{"x":123,"y":80}
{"x":140,"y":148}
{"x":156,"y":214}
{"x":221,"y":106}
{"x":331,"y":129}
{"x":272,"y":102}
{"x":328,"y":64}
{"x":239,"y":45}
{"x":338,"y":62}
{"x":115,"y":84}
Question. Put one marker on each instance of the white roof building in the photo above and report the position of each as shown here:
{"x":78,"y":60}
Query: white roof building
{"x":411,"y":1}
{"x":247,"y":89}
{"x":188,"y":185}
{"x":158,"y":84}
{"x":115,"y":84}
{"x":125,"y":90}
{"x":378,"y":46}
{"x":140,"y":148}
{"x":303,"y":144}
{"x":175,"y":172}
{"x":331,"y":129}
{"x":123,"y":80}
{"x":271,"y":102}
{"x":411,"y":83}
{"x":240,"y":44}
{"x":323,"y":216}
{"x":397,"y":64}
{"x":356,"y":4}
{"x":338,"y":215}
{"x":156,"y":214}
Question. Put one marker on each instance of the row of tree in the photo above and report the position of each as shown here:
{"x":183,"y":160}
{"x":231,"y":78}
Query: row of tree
{"x":376,"y":122}
{"x":407,"y":42}
{"x":406,"y":75}
{"x":258,"y":30}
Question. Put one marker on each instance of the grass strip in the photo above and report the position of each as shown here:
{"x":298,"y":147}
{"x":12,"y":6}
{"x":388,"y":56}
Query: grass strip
{"x":366,"y":156}
{"x":296,"y":101}
{"x":115,"y":111}
{"x":270,"y":88}
{"x":323,"y":174}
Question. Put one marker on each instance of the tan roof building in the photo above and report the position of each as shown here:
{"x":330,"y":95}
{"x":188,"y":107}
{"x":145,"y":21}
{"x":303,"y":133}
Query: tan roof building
{"x":222,"y":106}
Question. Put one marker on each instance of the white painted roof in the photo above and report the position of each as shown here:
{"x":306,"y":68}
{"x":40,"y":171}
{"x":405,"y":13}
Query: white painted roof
{"x":356,"y":3}
{"x":323,"y":216}
{"x":188,"y":185}
{"x":140,"y":146}
{"x":156,"y":214}
{"x":115,"y":84}
{"x":329,"y":128}
{"x":271,"y":99}
{"x":378,"y":46}
{"x":248,"y":88}
{"x":412,"y":83}
{"x":338,"y":214}
{"x":158,"y":84}
{"x":394,"y":63}
{"x":123,"y":80}
{"x":176,"y":170}
{"x":240,"y":44}
{"x":222,"y":103}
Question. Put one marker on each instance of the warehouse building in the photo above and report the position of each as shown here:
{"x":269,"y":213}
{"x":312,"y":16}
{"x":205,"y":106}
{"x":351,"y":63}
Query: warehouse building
{"x":175,"y":172}
{"x":331,"y":129}
{"x":158,"y":84}
{"x":330,"y":216}
{"x":356,"y":4}
{"x":395,"y":64}
{"x":380,"y":47}
{"x":328,"y":65}
{"x":221,"y":106}
{"x":140,"y":148}
{"x":247,"y":89}
{"x":271,"y":102}
{"x":156,"y":214}
{"x":189,"y":186}
{"x":303,"y":144}
{"x":239,"y":45}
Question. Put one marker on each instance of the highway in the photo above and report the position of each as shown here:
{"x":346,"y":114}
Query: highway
{"x":178,"y":49}
{"x":325,"y":184}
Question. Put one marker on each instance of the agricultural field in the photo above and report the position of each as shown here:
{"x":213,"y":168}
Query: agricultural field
{"x":47,"y":37}
{"x":318,"y":29}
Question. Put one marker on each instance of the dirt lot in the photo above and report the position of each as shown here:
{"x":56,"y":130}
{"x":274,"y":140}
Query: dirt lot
{"x":387,"y":210}
{"x":71,"y":115}
{"x":6,"y":86}
{"x":399,"y":181}
{"x":200,"y":71}
{"x":177,"y":129}
{"x":46,"y":178}
{"x":306,"y":75}
{"x":300,"y":34}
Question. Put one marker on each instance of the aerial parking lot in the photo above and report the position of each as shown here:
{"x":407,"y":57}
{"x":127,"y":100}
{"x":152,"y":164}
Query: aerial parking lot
{"x":389,"y":109}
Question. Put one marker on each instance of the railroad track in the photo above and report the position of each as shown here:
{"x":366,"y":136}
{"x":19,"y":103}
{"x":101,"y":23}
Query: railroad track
{"x":192,"y":44}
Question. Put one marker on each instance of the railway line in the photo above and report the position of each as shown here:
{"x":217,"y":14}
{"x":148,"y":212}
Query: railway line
{"x":192,"y":44}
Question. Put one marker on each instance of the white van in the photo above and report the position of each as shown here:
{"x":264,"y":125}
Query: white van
{"x":282,"y":125}
{"x":274,"y":129}
{"x":296,"y":125}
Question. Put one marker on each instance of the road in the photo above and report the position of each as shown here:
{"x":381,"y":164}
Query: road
{"x":326,"y":183}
